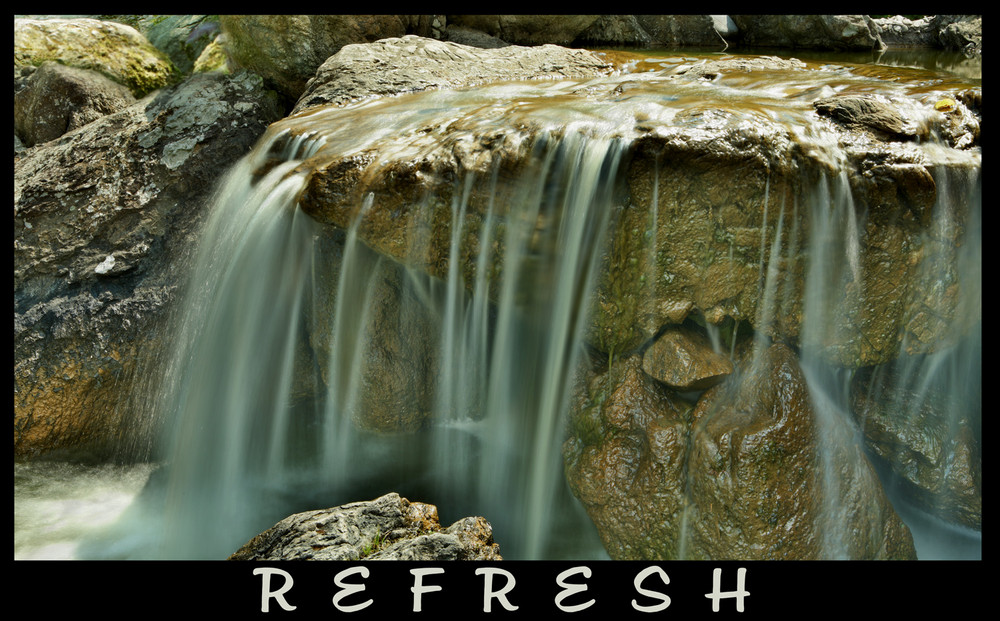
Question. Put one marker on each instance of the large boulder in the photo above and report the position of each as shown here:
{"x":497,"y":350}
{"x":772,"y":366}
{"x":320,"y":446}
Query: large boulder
{"x":706,"y":203}
{"x":387,"y":528}
{"x":182,"y":37}
{"x":738,"y":477}
{"x":116,"y":50}
{"x":103,"y":221}
{"x":287,"y":49}
{"x":57,"y":99}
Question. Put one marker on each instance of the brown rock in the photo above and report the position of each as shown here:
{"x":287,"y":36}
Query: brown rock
{"x":685,"y":360}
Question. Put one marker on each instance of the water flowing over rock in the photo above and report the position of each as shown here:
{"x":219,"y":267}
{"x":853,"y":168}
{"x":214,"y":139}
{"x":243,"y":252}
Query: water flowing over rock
{"x":130,"y":186}
{"x":467,"y":279}
{"x":387,"y":528}
{"x":411,"y":63}
{"x":116,"y":50}
{"x":929,"y":436}
{"x":736,"y":477}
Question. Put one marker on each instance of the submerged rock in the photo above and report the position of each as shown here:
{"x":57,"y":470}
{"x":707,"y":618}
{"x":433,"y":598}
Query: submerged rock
{"x":387,"y":528}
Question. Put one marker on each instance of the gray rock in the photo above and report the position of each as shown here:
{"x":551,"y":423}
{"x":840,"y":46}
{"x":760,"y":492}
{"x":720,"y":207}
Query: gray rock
{"x":951,"y":32}
{"x":527,"y":29}
{"x":406,"y":64}
{"x":130,"y":185}
{"x":830,"y":32}
{"x":181,"y":37}
{"x":387,"y":528}
{"x":57,"y":99}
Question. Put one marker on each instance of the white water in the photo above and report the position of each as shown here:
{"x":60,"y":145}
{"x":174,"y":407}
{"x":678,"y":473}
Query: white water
{"x":241,"y":455}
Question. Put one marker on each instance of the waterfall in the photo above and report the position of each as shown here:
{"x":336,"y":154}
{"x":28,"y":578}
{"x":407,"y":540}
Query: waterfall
{"x":298,"y":336}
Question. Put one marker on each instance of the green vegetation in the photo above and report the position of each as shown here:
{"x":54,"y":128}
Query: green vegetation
{"x":373,"y":546}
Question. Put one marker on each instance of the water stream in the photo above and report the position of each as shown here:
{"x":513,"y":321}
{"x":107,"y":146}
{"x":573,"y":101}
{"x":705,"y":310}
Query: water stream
{"x":244,"y":448}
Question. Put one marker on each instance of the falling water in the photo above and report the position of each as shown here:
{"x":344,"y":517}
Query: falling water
{"x":265,"y":394}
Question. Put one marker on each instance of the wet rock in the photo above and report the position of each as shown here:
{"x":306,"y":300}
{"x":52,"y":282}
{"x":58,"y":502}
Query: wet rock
{"x":685,"y":360}
{"x":129,"y":185}
{"x":118,"y":51}
{"x":57,"y":99}
{"x":625,"y":461}
{"x":870,"y":111}
{"x":394,"y":328}
{"x":929,"y":436}
{"x":739,"y":477}
{"x":726,"y":181}
{"x":757,"y":470}
{"x":387,"y":528}
{"x":406,"y":64}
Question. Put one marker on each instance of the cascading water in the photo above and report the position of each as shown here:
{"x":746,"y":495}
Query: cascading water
{"x":272,"y":397}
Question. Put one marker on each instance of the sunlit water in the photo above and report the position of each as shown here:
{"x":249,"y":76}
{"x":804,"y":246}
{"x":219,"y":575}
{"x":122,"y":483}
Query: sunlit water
{"x":504,"y":369}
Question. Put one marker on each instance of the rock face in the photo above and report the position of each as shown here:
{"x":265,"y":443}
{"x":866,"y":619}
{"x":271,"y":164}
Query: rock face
{"x":116,"y":50}
{"x":527,"y":29}
{"x":831,"y":32}
{"x":955,"y":32}
{"x":387,"y":528}
{"x":103,"y":218}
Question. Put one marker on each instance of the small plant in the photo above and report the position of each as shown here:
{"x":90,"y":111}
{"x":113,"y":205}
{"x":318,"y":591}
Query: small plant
{"x":374,"y":545}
